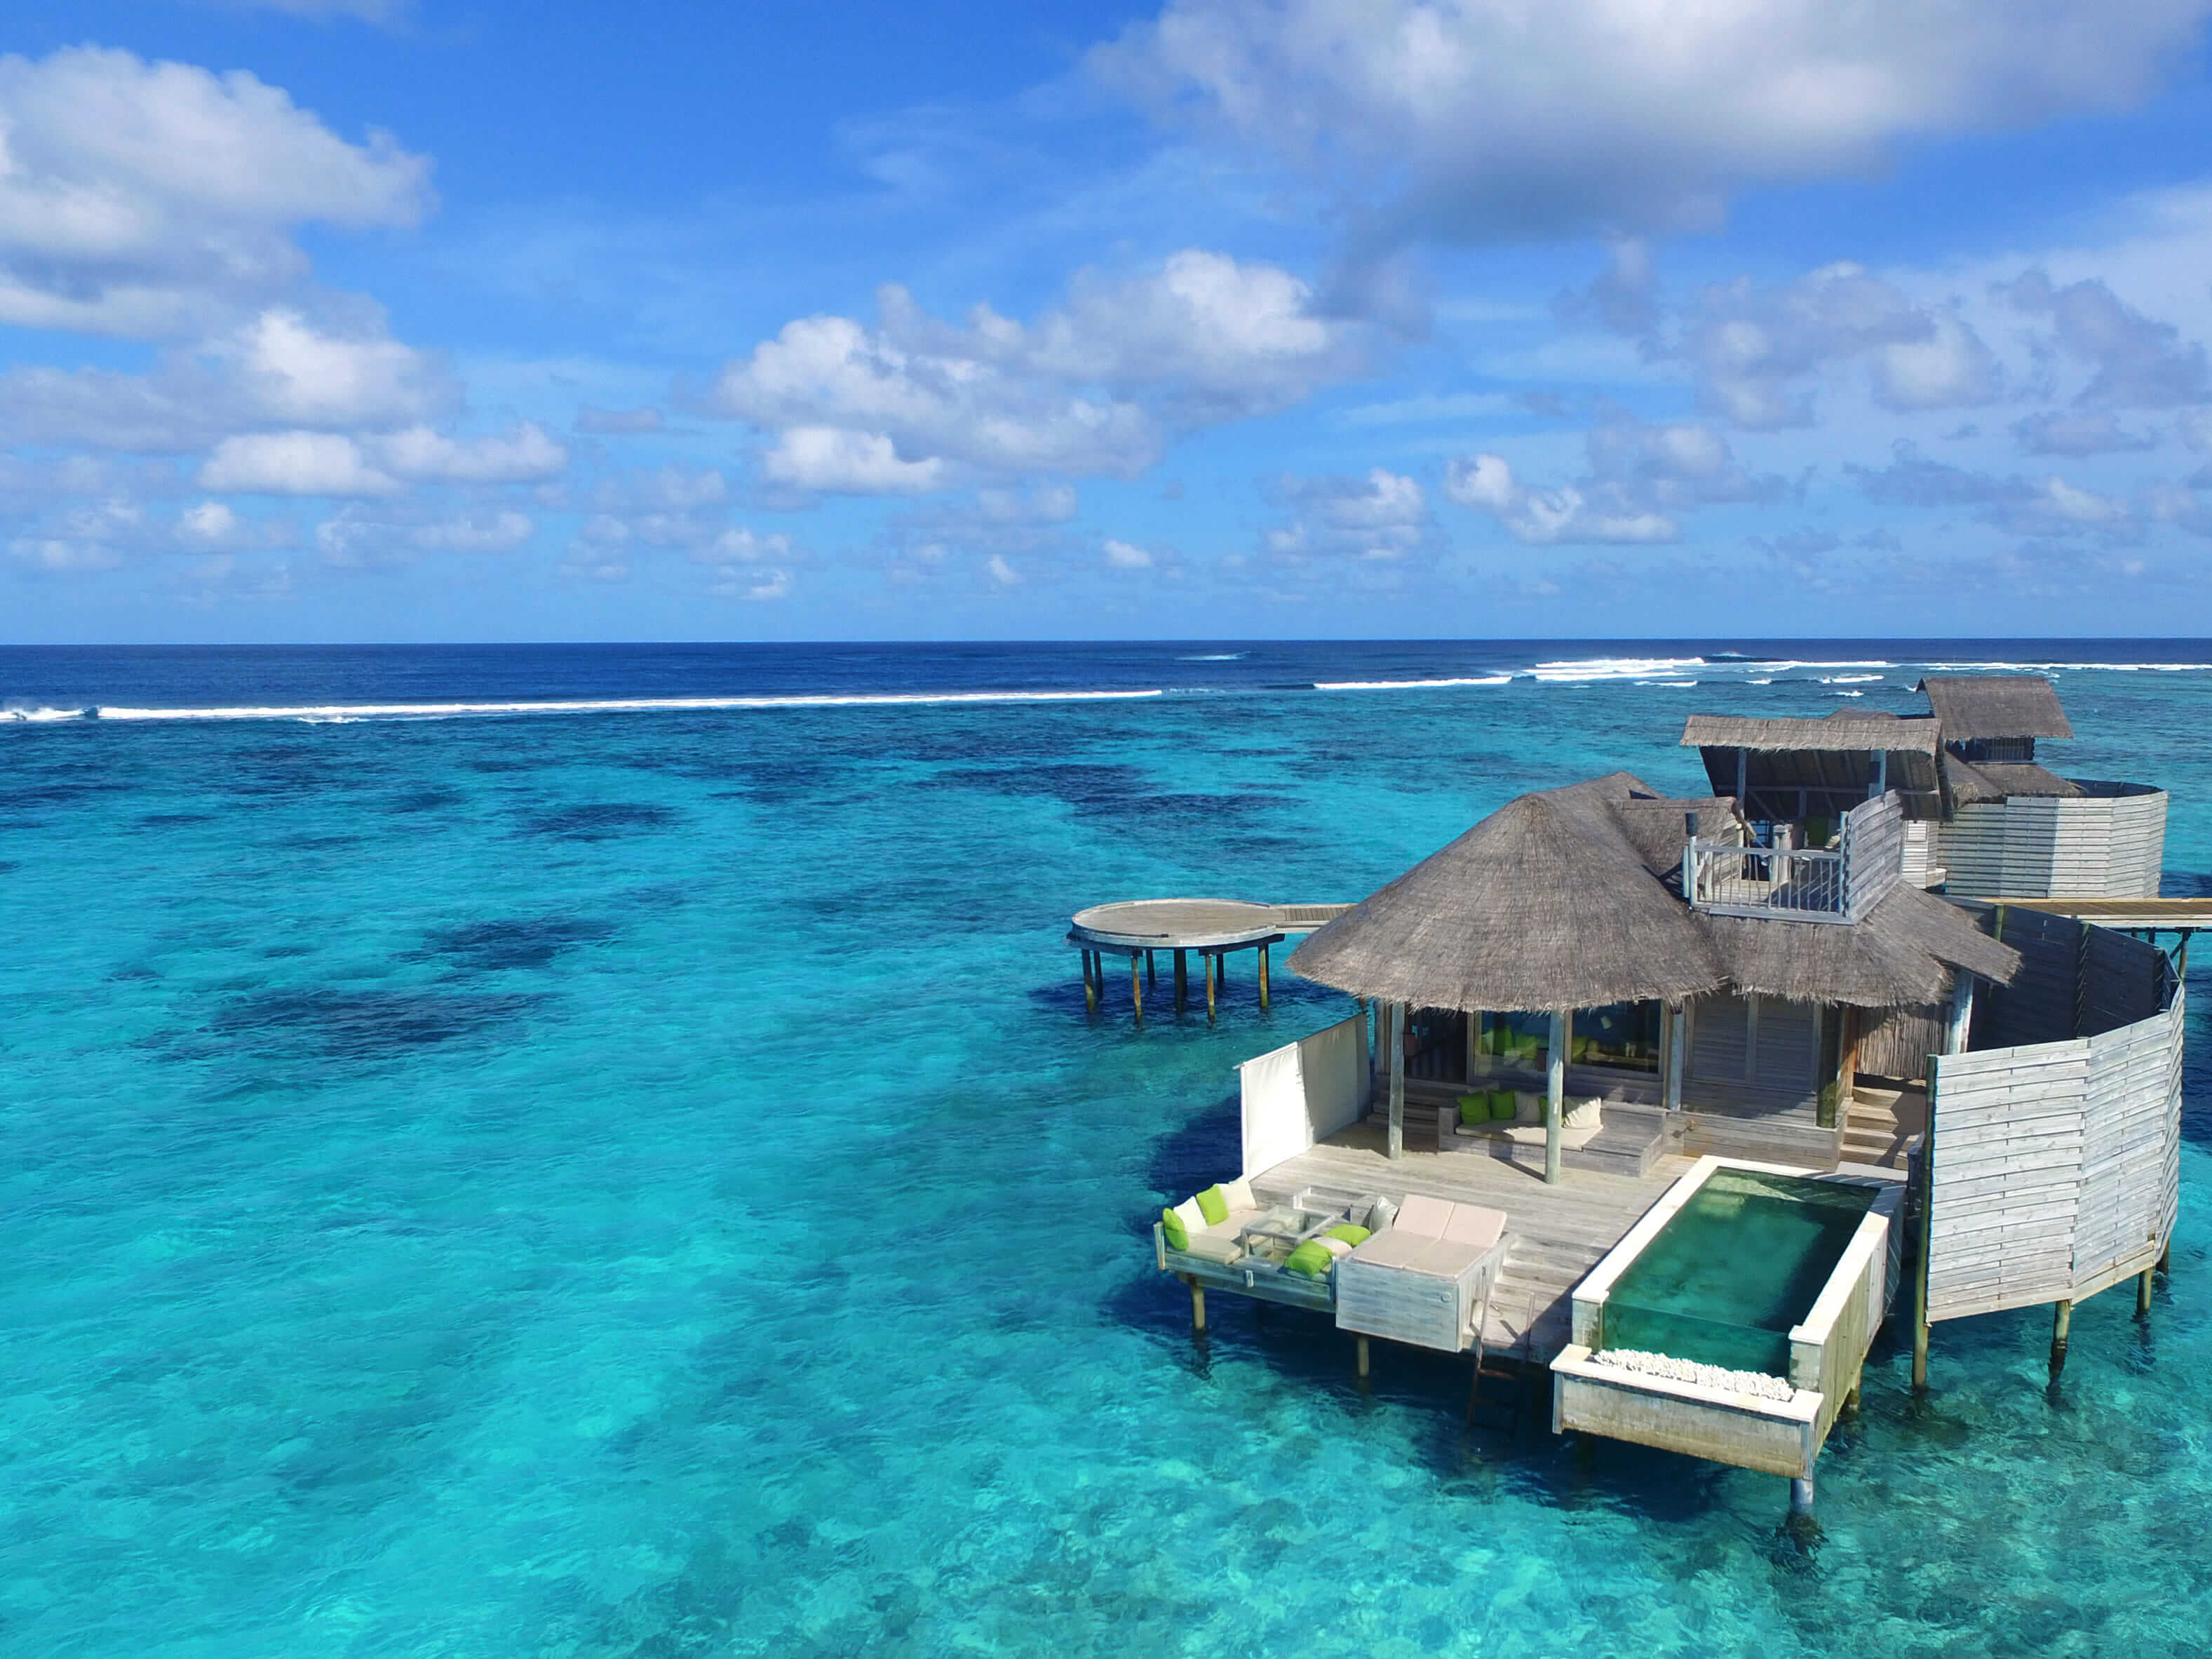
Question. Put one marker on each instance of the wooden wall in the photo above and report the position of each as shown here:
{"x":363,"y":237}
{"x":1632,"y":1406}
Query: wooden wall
{"x":1753,"y":1056}
{"x":1895,"y":1042}
{"x":2100,"y":846}
{"x":2054,"y":1165}
{"x":2074,"y":981}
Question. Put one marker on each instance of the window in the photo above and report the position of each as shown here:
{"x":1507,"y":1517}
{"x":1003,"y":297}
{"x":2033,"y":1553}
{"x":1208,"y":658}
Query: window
{"x":1624,"y":1035}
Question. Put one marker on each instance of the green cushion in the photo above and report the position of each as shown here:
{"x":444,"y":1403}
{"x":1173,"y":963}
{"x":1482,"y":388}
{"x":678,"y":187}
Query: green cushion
{"x":1504,"y":1105}
{"x":1351,"y":1235}
{"x":1475,"y":1109}
{"x":1178,"y":1235}
{"x":1214,"y":1206}
{"x":1310,"y":1259}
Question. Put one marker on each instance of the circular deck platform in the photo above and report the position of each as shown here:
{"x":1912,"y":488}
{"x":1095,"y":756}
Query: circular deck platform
{"x":1176,"y":924}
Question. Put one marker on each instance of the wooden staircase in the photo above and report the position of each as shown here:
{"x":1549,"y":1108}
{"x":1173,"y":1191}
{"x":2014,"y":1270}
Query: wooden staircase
{"x":1879,"y":1123}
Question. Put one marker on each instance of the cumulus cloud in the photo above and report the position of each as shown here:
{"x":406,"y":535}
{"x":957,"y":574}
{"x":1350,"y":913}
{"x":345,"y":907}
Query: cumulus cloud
{"x":2135,"y":362}
{"x":1492,"y":119}
{"x":525,"y":455}
{"x":293,"y":464}
{"x":1126,"y":555}
{"x":2046,"y":507}
{"x":1379,"y":519}
{"x":150,"y":199}
{"x":1094,"y":387}
{"x":1642,"y":478}
{"x":1755,"y":348}
{"x":2053,"y":432}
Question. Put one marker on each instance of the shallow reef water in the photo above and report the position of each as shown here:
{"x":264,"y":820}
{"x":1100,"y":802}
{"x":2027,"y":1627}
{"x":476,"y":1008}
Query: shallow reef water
{"x":646,"y":1183}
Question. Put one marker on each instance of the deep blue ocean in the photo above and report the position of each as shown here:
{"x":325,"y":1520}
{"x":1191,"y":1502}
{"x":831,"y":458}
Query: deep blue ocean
{"x":643,"y":1181}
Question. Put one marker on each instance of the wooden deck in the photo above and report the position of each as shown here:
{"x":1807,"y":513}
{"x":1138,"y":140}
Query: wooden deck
{"x":1557,"y":1234}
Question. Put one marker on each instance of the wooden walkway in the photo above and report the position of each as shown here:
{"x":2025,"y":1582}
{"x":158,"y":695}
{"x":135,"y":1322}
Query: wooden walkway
{"x":1558,"y":1233}
{"x":2126,"y":915}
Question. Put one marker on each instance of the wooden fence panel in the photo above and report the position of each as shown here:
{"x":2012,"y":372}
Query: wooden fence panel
{"x":1994,"y":1243}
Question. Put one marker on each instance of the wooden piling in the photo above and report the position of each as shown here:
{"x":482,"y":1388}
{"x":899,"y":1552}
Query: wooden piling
{"x":1800,"y":1497}
{"x":1181,"y":979}
{"x":1197,"y":1308}
{"x":1362,"y":1362}
{"x":1090,"y":985}
{"x":1263,"y":977}
{"x":2061,"y":1321}
{"x":2142,"y":1294}
{"x":1151,"y":975}
{"x":1210,"y":960}
{"x":1136,"y":987}
{"x":1926,"y":1239}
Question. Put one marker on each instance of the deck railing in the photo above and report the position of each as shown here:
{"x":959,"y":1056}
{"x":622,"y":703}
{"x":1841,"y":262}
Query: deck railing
{"x":1802,"y":884}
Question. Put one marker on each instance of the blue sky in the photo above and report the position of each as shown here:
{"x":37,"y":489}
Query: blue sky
{"x":402,"y":319}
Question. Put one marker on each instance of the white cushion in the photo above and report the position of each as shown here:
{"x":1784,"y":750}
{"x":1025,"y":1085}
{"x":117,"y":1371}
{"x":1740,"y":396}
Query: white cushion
{"x":1334,"y":1246}
{"x":1239,"y":1194}
{"x":1215,"y":1246}
{"x":1193,"y":1218}
{"x":1528,"y":1108}
{"x":1582,"y":1114}
{"x":1423,"y":1216}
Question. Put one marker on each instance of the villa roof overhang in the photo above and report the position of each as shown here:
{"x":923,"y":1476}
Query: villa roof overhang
{"x":1570,"y":898}
{"x":1971,"y":706}
{"x":1843,"y":731}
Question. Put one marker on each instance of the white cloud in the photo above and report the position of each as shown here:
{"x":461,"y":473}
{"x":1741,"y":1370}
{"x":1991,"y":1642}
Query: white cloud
{"x":148,"y":199}
{"x":383,"y":537}
{"x":293,"y":464}
{"x":1001,"y":573}
{"x":1126,"y":555}
{"x":525,"y":455}
{"x":301,"y":374}
{"x":1380,"y":519}
{"x":838,"y":461}
{"x":1496,"y":118}
{"x":1095,"y":387}
{"x":749,"y":565}
{"x":1642,"y":476}
{"x":2138,"y":363}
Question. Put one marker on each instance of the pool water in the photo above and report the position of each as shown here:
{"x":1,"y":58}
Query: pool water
{"x":1733,"y":1269}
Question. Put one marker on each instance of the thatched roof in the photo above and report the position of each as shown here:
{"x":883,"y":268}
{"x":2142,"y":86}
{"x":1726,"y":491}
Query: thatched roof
{"x":1567,"y":898}
{"x":1980,"y":781}
{"x":1969,"y":706}
{"x":1846,"y":730}
{"x":1900,"y":953}
{"x":1546,"y":903}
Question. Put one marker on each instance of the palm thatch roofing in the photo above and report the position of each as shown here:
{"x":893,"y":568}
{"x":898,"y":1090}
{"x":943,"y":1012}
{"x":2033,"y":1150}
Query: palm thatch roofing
{"x":1846,"y":730}
{"x":1980,"y":781}
{"x":1970,"y":706}
{"x":1571,"y":898}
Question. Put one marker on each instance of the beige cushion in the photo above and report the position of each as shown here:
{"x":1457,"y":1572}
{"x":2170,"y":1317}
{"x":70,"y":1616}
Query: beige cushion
{"x":1472,"y":1223}
{"x":1238,"y":1220}
{"x":1532,"y":1135}
{"x":1583,"y":1114}
{"x":1239,"y":1194}
{"x":1422,"y":1217}
{"x":1215,"y":1246}
{"x":1193,"y":1217}
{"x":1528,"y":1108}
{"x":1333,"y":1246}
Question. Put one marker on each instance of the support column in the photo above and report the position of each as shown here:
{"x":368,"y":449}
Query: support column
{"x":1678,"y":1053}
{"x":1263,"y":978}
{"x":1962,"y":1010}
{"x":2142,"y":1294}
{"x":1197,"y":1309}
{"x":1181,"y":979}
{"x":1927,"y":1237}
{"x":1397,"y":1024}
{"x":1136,"y":987}
{"x":1361,"y":1361}
{"x":1555,"y":1091}
{"x":1801,"y":1498}
{"x":2061,"y":1321}
{"x":1151,"y":976}
{"x":1210,"y":969}
{"x":1090,"y":985}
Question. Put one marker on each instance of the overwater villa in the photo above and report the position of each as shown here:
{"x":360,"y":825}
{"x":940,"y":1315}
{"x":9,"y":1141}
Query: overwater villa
{"x":1662,"y":1094}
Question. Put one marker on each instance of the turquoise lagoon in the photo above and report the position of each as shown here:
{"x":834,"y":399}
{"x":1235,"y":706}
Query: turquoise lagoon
{"x":645,"y":1183}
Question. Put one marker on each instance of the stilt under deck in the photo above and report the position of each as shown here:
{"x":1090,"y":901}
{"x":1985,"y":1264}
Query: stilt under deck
{"x":1558,"y":1232}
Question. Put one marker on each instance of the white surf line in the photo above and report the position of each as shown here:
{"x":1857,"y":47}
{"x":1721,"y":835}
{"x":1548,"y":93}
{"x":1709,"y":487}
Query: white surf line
{"x":345,"y":711}
{"x":1409,"y":686}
